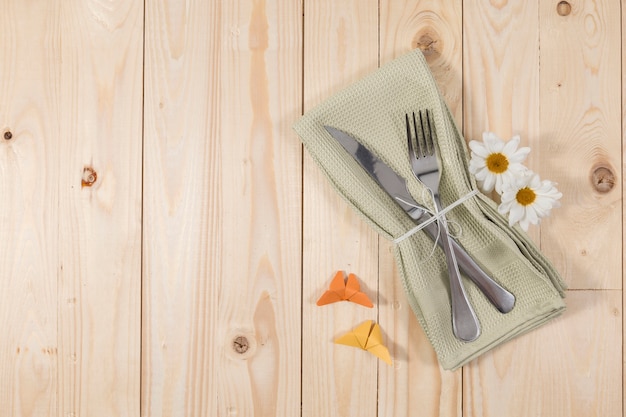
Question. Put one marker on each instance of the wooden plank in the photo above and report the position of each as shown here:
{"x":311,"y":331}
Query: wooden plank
{"x":581,"y":128}
{"x":100,"y":114}
{"x":222,"y":185}
{"x":569,"y":367}
{"x":623,"y":48}
{"x":341,"y":46}
{"x":182,"y":234}
{"x":501,"y":69}
{"x":29,"y":208}
{"x":261,"y":184}
{"x":417,"y":382}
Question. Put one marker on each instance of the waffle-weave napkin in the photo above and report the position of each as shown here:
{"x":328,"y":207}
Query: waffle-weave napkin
{"x":373,"y":110}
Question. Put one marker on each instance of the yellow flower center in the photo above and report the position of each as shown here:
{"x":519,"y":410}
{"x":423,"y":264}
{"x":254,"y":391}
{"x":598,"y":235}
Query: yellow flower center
{"x":525,"y":196}
{"x":497,"y":163}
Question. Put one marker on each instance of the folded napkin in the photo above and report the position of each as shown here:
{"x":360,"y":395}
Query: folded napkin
{"x":372,"y":111}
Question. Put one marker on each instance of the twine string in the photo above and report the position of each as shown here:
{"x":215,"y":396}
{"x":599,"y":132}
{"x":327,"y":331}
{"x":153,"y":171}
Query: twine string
{"x":436,"y":216}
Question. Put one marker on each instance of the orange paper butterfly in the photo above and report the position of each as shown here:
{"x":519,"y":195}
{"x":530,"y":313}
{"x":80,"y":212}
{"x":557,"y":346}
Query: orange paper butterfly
{"x":367,"y":336}
{"x":345,"y":290}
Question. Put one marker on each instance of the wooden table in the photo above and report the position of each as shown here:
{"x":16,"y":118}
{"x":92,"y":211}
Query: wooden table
{"x":164,"y":237}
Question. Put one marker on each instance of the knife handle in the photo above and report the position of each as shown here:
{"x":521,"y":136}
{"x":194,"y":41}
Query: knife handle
{"x":465,"y":324}
{"x":502,"y":299}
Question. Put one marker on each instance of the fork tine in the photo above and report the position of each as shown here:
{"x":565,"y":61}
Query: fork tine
{"x":423,"y":133}
{"x":429,"y":139}
{"x":409,"y":136}
{"x":420,"y":147}
{"x":421,"y":128}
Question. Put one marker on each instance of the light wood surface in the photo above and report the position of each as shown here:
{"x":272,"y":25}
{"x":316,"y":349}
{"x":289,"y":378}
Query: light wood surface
{"x":344,"y":46}
{"x":70,"y":276}
{"x":164,"y":236}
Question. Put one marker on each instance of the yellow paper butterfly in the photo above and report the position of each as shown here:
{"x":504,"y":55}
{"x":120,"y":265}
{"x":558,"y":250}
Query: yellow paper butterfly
{"x":367,"y":336}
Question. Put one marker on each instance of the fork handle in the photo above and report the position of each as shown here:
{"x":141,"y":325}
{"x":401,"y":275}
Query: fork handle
{"x":502,"y":299}
{"x":464,"y":321}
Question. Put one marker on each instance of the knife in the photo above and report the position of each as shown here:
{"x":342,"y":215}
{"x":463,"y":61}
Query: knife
{"x":395,"y":186}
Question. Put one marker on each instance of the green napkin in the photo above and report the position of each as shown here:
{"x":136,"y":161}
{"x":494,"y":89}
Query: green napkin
{"x":372,"y":111}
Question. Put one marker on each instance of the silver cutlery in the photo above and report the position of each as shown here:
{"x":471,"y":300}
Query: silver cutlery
{"x":426,"y":167}
{"x":395,"y":186}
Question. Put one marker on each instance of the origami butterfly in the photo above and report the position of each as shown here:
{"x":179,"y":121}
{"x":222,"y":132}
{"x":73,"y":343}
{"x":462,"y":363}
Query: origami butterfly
{"x":367,"y":337}
{"x":348,"y":290}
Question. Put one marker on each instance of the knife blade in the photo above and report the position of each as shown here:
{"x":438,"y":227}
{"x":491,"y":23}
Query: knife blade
{"x":395,"y":185}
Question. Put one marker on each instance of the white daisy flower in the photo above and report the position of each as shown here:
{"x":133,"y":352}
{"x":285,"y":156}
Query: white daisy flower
{"x":495,"y":162}
{"x":528,"y":199}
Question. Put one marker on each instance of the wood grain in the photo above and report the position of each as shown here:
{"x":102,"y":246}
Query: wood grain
{"x":222,"y":186}
{"x":164,"y":238}
{"x":77,"y":250}
{"x":29,"y":209}
{"x":623,"y":209}
{"x":565,"y":368}
{"x":100,"y":222}
{"x":580,"y":127}
{"x":417,"y":382}
{"x":261,"y":202}
{"x":501,"y":69}
{"x":342,"y":46}
{"x":182,"y":235}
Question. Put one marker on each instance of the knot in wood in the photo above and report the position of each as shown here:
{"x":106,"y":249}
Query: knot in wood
{"x":427,"y":44}
{"x":89,"y":177}
{"x":241,"y":344}
{"x":563,"y":8}
{"x":603,"y":179}
{"x":8,"y":135}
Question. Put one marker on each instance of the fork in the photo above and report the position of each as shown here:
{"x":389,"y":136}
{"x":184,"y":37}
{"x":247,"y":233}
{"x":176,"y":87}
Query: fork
{"x":427,"y":169}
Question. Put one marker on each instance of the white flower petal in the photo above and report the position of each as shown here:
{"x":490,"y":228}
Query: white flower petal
{"x":517,"y":169}
{"x":519,"y":155}
{"x":510,"y":146}
{"x":492,"y":142}
{"x":479,"y":149}
{"x":508,"y":195}
{"x":504,"y":207}
{"x":482,"y":174}
{"x":542,"y":206}
{"x":531,"y":215}
{"x":524,"y":224}
{"x":498,"y":186}
{"x":534,"y":182}
{"x":516,"y":214}
{"x":476,"y":164}
{"x":488,"y":137}
{"x":488,"y":183}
